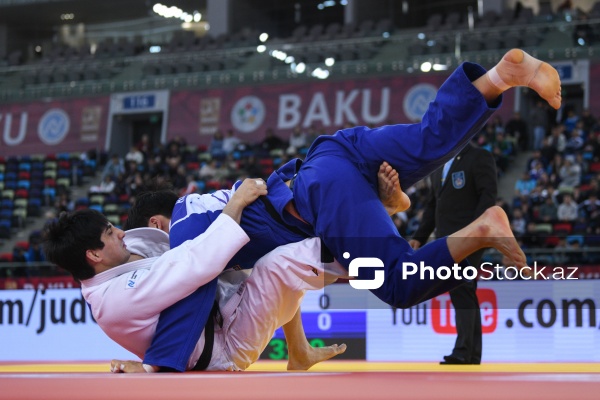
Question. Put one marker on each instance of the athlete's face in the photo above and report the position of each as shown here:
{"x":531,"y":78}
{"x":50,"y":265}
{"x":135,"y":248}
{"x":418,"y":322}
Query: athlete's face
{"x":114,"y":252}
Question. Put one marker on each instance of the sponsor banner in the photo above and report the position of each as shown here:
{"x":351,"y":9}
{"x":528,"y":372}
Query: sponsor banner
{"x":326,"y":105}
{"x":52,"y":282}
{"x":54,"y":126}
{"x":80,"y":124}
{"x":541,"y":321}
{"x":52,"y":325}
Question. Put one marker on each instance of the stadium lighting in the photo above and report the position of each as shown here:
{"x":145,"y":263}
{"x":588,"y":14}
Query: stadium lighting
{"x":329,"y":61}
{"x":320,"y":73}
{"x":176,"y":12}
{"x":426,"y":66}
{"x":263,"y":37}
{"x":300,"y":68}
{"x":289,"y":59}
{"x":155,"y":49}
{"x":261,"y":48}
{"x":440,"y":67}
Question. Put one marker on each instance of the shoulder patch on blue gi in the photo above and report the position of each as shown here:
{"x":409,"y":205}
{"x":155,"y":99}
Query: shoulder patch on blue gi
{"x":134,"y":279}
{"x":458,"y":179}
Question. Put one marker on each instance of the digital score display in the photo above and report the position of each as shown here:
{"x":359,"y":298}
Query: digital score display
{"x":324,"y":328}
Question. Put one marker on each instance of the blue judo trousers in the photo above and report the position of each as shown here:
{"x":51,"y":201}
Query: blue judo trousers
{"x":335,"y":192}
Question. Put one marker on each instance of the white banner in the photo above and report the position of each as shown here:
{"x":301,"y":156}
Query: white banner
{"x":533,"y":321}
{"x":52,"y":325}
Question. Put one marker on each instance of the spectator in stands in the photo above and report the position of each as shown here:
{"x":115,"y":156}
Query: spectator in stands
{"x":535,"y":157}
{"x":590,"y":209}
{"x":271,"y":142}
{"x":518,"y":223}
{"x":537,"y":171}
{"x":230,"y":142}
{"x":216,"y":146}
{"x":592,"y":188}
{"x":588,"y":120}
{"x":35,"y":252}
{"x":114,"y":167}
{"x":145,"y":146}
{"x":180,"y":181}
{"x":173,"y":159}
{"x":539,"y":120}
{"x":558,"y":139}
{"x":208,"y":170}
{"x":63,"y":203}
{"x":154,"y":167}
{"x":516,"y":128}
{"x":548,"y":212}
{"x":569,"y":173}
{"x":575,"y":142}
{"x":571,"y":120}
{"x":178,"y":143}
{"x":298,"y":141}
{"x":567,"y":210}
{"x":250,"y":167}
{"x":525,"y":185}
{"x":134,"y":154}
{"x":135,"y":184}
{"x":107,"y":185}
{"x":497,"y":125}
{"x":547,"y":151}
{"x":19,"y":254}
{"x":191,"y":187}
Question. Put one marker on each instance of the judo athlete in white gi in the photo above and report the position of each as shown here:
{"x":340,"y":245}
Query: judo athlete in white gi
{"x":334,"y":195}
{"x":127,"y":281}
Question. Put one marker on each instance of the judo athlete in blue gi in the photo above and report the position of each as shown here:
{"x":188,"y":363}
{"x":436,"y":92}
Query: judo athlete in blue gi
{"x":334,"y":194}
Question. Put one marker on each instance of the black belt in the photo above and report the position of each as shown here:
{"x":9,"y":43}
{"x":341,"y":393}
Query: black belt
{"x":326,"y":254}
{"x":275,"y":215}
{"x":209,"y":340}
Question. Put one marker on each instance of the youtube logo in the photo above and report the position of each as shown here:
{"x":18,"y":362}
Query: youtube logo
{"x":442,"y":312}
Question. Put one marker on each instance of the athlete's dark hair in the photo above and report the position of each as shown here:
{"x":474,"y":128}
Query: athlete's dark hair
{"x":148,"y":204}
{"x":67,"y":238}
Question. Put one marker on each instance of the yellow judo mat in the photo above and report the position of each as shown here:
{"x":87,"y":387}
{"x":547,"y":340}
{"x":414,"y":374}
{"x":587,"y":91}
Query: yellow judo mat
{"x":335,"y":366}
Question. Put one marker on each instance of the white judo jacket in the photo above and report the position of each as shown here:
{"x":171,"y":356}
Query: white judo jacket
{"x":126,"y":300}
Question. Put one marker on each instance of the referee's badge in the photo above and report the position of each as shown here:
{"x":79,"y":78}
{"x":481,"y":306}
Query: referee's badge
{"x":458,"y":179}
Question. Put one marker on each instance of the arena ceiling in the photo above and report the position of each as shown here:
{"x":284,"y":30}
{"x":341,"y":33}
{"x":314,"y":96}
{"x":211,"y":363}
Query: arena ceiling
{"x":45,"y":15}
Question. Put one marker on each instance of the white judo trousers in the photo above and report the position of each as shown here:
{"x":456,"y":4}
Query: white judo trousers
{"x":266,"y":300}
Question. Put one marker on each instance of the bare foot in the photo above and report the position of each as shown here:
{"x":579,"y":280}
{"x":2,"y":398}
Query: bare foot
{"x":120,"y":366}
{"x":518,"y":68}
{"x":390,"y":193}
{"x":313,"y":355}
{"x":496,"y":230}
{"x":491,"y":229}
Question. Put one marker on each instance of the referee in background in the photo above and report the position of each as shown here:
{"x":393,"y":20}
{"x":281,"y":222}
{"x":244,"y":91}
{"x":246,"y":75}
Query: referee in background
{"x":461,"y":191}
